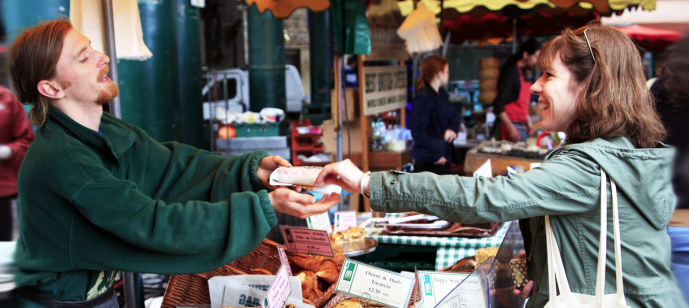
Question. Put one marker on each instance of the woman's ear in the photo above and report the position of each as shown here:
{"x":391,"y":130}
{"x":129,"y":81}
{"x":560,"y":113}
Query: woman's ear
{"x":50,"y":89}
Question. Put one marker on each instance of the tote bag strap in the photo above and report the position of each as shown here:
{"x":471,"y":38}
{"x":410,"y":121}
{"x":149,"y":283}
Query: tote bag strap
{"x":556,"y":269}
{"x":602,"y":250}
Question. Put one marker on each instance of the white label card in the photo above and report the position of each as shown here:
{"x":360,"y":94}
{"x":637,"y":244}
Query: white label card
{"x":485,"y":170}
{"x":468,"y":293}
{"x":375,"y":284}
{"x":320,"y":222}
{"x":344,"y":220}
{"x":284,"y":260}
{"x":435,"y":286}
{"x":279,"y":290}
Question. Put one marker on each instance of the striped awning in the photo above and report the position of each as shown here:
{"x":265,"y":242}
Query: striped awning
{"x":553,"y":7}
{"x":283,"y":8}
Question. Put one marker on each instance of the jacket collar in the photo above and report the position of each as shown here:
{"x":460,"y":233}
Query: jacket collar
{"x":115,"y":140}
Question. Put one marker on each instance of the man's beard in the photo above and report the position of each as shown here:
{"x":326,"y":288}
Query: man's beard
{"x":108,"y":94}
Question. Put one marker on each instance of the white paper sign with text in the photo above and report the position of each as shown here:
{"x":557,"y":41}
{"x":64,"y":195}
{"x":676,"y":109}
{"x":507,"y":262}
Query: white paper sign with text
{"x":344,"y":220}
{"x":375,"y":284}
{"x":279,"y":290}
{"x":320,"y":222}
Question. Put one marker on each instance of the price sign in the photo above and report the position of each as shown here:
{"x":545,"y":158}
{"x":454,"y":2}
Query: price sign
{"x":320,"y":222}
{"x":279,"y":290}
{"x":344,"y":220}
{"x":375,"y":284}
{"x":309,"y":241}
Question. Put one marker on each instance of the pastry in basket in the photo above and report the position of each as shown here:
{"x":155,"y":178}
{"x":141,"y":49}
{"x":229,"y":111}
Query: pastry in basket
{"x":313,"y":263}
{"x":356,"y":303}
{"x":328,"y":271}
{"x":484,"y":253}
{"x":308,"y":283}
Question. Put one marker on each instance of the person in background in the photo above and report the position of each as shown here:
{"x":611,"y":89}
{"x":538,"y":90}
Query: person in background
{"x":513,"y":99}
{"x":671,"y":91}
{"x":593,"y":88}
{"x":98,"y":195}
{"x":351,"y":72}
{"x":15,"y":136}
{"x":433,"y":122}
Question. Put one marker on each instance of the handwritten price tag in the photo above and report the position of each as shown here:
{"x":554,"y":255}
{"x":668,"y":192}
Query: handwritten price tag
{"x":279,"y":290}
{"x":344,"y":220}
{"x":284,"y":260}
{"x":308,"y":241}
{"x":375,"y":284}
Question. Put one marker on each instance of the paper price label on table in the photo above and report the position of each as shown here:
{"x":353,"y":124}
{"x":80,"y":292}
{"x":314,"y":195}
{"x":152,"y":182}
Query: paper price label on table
{"x":279,"y":290}
{"x":344,"y":220}
{"x":486,"y":170}
{"x":320,"y":222}
{"x":444,"y":290}
{"x":435,"y":286}
{"x":375,"y":284}
{"x":309,"y":241}
{"x":284,"y":260}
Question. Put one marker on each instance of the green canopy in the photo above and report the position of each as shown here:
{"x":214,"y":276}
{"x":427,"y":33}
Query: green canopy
{"x":352,"y":33}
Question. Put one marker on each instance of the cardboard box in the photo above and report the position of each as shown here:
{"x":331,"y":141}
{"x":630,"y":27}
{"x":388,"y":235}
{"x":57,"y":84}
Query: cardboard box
{"x":350,"y":96}
{"x":330,"y":136}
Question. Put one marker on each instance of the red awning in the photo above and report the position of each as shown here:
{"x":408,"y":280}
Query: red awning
{"x":651,"y":38}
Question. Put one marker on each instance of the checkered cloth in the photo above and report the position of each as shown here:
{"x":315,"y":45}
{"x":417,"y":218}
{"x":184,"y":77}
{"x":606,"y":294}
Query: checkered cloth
{"x":450,"y":249}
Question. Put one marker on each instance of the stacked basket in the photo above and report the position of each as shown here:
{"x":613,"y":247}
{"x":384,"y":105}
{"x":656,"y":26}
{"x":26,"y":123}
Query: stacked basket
{"x":193,"y":288}
{"x":488,"y":80}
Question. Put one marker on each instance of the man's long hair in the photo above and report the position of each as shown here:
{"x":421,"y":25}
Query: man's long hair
{"x":33,"y":57}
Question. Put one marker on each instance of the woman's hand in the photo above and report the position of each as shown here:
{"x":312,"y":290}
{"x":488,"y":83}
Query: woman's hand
{"x":267,"y":165}
{"x":344,"y":174}
{"x":514,"y":133}
{"x":441,"y":161}
{"x":449,"y":135}
{"x":301,"y":205}
{"x":526,"y":292}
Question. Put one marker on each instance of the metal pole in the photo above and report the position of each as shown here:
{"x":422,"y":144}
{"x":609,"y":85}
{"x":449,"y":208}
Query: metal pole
{"x":340,"y":73}
{"x":109,"y":46}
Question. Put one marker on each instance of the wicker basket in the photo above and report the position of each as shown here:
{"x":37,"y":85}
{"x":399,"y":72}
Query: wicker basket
{"x":193,"y":288}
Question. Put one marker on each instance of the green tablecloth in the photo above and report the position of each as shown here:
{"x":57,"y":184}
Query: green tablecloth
{"x":450,"y":249}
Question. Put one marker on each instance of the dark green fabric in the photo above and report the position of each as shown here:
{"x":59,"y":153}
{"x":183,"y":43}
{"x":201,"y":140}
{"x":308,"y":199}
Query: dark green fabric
{"x":351,"y":28}
{"x":121,"y":201}
{"x":566,"y":187}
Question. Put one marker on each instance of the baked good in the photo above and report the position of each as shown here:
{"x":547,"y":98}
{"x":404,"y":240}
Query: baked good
{"x":349,"y":303}
{"x":484,"y":253}
{"x":308,"y":283}
{"x":328,"y":271}
{"x":259,"y":271}
{"x":352,"y":234}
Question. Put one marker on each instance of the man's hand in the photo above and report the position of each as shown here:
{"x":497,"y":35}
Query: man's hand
{"x":344,"y":174}
{"x":301,"y":205}
{"x":526,"y":292}
{"x":449,"y":135}
{"x":266,"y":167}
{"x":441,"y":161}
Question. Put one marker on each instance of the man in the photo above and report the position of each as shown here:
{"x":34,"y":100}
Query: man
{"x":15,"y":136}
{"x":98,"y":195}
{"x":512,"y":102}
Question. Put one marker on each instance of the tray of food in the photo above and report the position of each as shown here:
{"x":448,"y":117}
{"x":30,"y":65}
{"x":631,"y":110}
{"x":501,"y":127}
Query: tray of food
{"x":427,"y":225}
{"x":354,"y":242}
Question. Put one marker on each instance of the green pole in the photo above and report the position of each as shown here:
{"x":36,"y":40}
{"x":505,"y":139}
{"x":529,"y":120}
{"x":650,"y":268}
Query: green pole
{"x":320,"y":47}
{"x":188,"y":25}
{"x":266,"y":61}
{"x":149,"y":95}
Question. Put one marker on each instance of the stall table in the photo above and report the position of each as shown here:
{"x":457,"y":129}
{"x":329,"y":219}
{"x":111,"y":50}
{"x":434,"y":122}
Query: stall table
{"x":499,"y":163}
{"x":449,"y":249}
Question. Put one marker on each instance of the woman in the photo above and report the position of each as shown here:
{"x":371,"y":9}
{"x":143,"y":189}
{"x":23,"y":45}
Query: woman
{"x":512,"y":103}
{"x":434,"y":123}
{"x":596,"y":94}
{"x":671,"y":91}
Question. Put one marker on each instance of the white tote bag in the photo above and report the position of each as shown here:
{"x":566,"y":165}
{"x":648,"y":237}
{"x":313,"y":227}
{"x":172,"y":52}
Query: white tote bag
{"x":556,"y":270}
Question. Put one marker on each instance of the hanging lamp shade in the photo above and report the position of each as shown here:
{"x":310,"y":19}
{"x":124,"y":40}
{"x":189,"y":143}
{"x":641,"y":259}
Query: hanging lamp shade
{"x":283,"y":8}
{"x":419,"y":31}
{"x":86,"y":17}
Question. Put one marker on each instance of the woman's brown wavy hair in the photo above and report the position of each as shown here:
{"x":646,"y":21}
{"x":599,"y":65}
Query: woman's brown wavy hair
{"x":429,"y":68}
{"x":615,"y":101}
